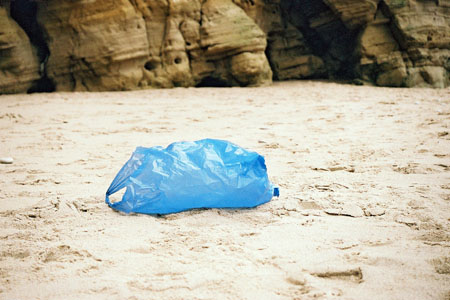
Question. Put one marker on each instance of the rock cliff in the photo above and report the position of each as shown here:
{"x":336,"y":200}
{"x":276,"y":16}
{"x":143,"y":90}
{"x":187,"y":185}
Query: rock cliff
{"x":95,"y":45}
{"x":407,"y":44}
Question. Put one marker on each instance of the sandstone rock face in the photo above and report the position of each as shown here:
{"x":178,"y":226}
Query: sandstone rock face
{"x":402,"y":43}
{"x":231,"y":38}
{"x":95,"y":45}
{"x":19,"y":66}
{"x":407,"y":44}
{"x":121,"y":44}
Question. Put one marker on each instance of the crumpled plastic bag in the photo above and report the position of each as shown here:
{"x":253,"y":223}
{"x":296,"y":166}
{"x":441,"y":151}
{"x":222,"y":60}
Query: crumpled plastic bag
{"x":202,"y":174}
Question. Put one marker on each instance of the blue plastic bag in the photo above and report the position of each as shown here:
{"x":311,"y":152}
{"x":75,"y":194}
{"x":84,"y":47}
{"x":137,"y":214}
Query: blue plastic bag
{"x":203,"y":174}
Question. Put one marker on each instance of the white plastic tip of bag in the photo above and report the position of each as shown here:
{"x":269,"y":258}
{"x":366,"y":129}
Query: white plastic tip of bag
{"x":6,"y":160}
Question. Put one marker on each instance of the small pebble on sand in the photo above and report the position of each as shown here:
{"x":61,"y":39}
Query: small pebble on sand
{"x":6,"y":160}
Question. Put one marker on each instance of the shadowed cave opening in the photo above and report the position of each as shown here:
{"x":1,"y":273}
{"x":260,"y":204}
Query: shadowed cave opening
{"x":24,"y":12}
{"x":331,"y":40}
{"x":213,"y":82}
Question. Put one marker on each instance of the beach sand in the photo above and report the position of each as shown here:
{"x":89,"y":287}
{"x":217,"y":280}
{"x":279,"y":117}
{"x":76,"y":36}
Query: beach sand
{"x":364,"y":177}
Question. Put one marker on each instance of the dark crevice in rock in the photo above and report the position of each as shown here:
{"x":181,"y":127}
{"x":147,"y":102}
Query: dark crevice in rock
{"x":24,"y":13}
{"x":201,"y":13}
{"x":150,"y":65}
{"x":325,"y":34}
{"x":271,"y":62}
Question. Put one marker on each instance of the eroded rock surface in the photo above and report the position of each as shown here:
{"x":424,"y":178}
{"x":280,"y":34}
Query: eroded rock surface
{"x":407,"y":44}
{"x":130,"y":44}
{"x":19,"y":66}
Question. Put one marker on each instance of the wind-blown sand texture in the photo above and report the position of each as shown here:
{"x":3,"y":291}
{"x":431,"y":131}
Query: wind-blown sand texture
{"x":363,"y":213}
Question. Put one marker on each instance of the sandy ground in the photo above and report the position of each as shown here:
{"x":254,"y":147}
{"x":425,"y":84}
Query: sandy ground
{"x":363,"y":213}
